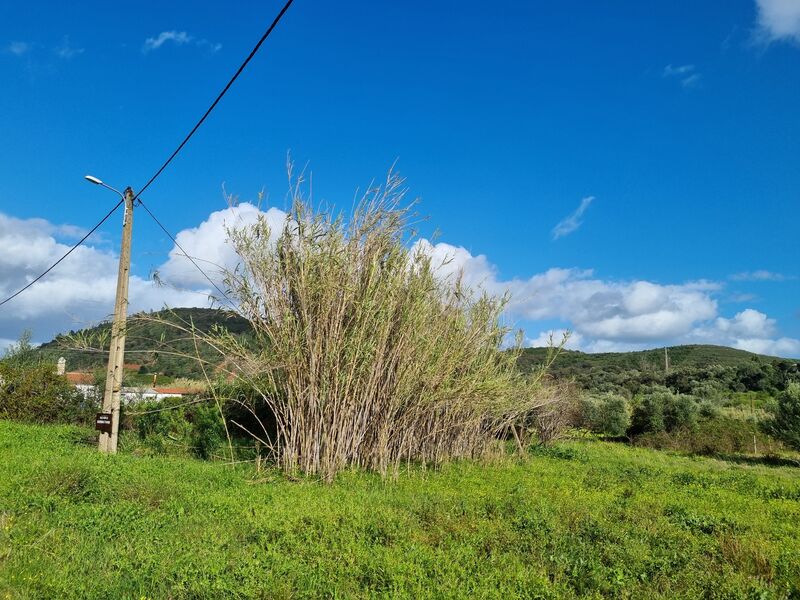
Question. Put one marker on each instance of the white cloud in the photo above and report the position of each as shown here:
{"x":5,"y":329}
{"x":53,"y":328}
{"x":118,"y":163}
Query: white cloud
{"x":554,"y":336}
{"x":760,"y":275}
{"x":67,"y":51}
{"x":687,"y":75}
{"x":573,"y":221}
{"x":207,"y":244}
{"x":779,"y":20}
{"x":79,"y":292}
{"x":609,"y":316}
{"x":749,"y":323}
{"x":603,"y":315}
{"x":178,"y":38}
{"x":788,"y":347}
{"x":18,"y":48}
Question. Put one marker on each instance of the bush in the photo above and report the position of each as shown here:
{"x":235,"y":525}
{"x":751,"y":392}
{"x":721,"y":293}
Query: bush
{"x":558,"y":412}
{"x":717,"y":436}
{"x":36,"y":394}
{"x":680,"y":410}
{"x":607,"y":414}
{"x":661,"y":410}
{"x":784,"y":422}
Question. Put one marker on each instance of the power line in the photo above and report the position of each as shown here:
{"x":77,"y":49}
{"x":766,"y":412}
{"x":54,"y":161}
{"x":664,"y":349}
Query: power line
{"x":65,"y":255}
{"x":238,"y":72}
{"x":164,"y":166}
{"x":219,"y":97}
{"x":186,"y":254}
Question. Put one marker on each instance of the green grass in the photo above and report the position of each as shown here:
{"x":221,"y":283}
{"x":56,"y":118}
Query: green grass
{"x":584,"y":519}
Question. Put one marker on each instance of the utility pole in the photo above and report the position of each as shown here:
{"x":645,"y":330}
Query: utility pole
{"x":116,"y":354}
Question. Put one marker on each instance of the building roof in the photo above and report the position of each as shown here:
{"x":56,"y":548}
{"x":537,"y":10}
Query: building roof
{"x":79,"y":378}
{"x":175,"y":390}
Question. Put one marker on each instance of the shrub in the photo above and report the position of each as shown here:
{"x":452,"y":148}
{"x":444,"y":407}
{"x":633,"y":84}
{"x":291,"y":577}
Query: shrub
{"x":35,"y":393}
{"x":718,"y":435}
{"x":707,"y":410}
{"x":177,"y":426}
{"x":608,"y":414}
{"x":559,"y":410}
{"x":680,"y":410}
{"x":661,"y":410}
{"x":784,"y":422}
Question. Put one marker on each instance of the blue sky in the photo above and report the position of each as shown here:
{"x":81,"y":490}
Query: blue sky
{"x":628,"y":170}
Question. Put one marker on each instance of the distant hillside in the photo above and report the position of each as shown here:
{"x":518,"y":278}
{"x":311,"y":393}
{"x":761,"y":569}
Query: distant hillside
{"x":151,"y":342}
{"x":621,"y":372}
{"x":694,"y":356}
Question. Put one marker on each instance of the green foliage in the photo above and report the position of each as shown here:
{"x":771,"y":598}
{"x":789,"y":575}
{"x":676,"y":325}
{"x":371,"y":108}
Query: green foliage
{"x":577,"y":520}
{"x":176,"y":427}
{"x":680,"y":410}
{"x":784,"y":423}
{"x":607,"y":414}
{"x":22,"y":353}
{"x":160,"y":342}
{"x":711,"y":372}
{"x":717,"y":436}
{"x":661,"y":410}
{"x":208,"y":430}
{"x":31,"y":391}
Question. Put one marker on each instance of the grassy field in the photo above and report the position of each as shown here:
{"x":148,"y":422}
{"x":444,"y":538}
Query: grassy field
{"x":583,"y":519}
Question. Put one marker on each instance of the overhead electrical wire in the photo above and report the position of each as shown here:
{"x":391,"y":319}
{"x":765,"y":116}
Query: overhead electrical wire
{"x":186,"y":254}
{"x":219,"y":97}
{"x":238,"y":72}
{"x":65,"y":255}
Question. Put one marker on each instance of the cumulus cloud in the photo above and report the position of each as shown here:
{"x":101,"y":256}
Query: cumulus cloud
{"x":687,"y":75}
{"x":749,"y":330}
{"x":603,"y":315}
{"x":778,"y":20}
{"x":77,"y":293}
{"x":608,"y":316}
{"x":573,"y":221}
{"x":179,"y":38}
{"x":553,"y":337}
{"x":207,"y":244}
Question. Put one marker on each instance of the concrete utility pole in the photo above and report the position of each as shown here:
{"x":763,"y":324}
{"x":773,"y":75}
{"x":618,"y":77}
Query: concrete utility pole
{"x":116,"y":354}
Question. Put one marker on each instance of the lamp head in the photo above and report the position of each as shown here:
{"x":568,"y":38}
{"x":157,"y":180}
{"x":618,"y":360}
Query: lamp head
{"x":93,"y":180}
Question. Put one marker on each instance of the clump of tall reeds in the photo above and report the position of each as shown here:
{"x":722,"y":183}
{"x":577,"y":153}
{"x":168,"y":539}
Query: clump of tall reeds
{"x":364,"y":354}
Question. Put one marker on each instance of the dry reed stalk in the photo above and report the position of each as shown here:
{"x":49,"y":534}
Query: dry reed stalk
{"x":364,"y":355}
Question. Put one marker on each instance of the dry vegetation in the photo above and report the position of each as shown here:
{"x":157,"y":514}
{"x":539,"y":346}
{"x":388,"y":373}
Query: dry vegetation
{"x":364,"y":354}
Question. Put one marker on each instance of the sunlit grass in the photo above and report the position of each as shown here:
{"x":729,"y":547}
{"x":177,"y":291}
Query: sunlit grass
{"x":580,"y":519}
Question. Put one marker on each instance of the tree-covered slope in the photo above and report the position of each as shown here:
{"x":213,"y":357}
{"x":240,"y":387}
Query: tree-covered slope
{"x":689,"y":367}
{"x":157,"y":341}
{"x":693,"y":356}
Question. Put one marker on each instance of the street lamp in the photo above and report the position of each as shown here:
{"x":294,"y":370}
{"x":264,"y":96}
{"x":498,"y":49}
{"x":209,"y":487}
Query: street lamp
{"x":96,"y":181}
{"x":108,"y":421}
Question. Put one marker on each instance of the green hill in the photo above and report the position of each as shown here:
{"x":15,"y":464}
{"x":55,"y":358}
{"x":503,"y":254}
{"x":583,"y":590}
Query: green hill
{"x":693,"y":356}
{"x":690,"y":366}
{"x":158,"y":346}
{"x":155,"y":341}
